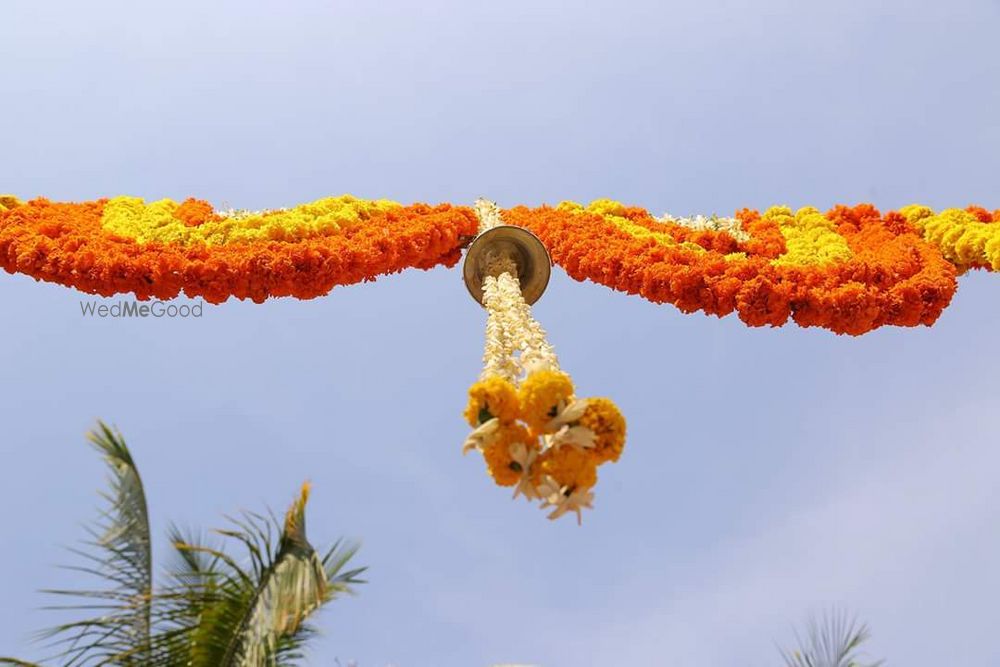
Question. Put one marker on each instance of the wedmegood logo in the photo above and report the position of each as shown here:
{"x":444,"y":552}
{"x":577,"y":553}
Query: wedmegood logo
{"x":158,"y":309}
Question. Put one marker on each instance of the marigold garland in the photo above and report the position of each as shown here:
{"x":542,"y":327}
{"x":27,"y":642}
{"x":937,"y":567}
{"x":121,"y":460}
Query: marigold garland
{"x":534,"y":434}
{"x":161,"y":249}
{"x":849,"y":270}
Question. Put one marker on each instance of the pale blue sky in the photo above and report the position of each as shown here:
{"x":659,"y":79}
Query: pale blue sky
{"x":769,"y":473}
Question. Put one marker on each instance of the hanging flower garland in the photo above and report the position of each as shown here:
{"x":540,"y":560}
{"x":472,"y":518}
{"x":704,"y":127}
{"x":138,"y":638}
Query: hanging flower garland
{"x":533,"y":432}
{"x":163,"y":248}
{"x":849,"y":270}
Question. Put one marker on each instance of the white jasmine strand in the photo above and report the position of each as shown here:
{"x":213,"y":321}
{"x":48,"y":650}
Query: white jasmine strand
{"x":521,"y":334}
{"x":498,"y":357}
{"x":536,"y":352}
{"x":712,"y":223}
{"x":488,"y":213}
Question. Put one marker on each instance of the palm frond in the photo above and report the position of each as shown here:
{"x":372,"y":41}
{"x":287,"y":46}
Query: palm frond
{"x":212,"y":610}
{"x":119,"y":553}
{"x":831,"y":642}
{"x":254,"y":615}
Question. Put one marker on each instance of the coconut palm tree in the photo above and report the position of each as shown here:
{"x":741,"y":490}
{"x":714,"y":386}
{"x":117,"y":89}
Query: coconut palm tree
{"x":211,"y":609}
{"x":831,"y":642}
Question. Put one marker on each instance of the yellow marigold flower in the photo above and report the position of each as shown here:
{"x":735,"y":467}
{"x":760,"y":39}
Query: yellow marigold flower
{"x":606,"y":421}
{"x":810,"y":237}
{"x":916,"y":214}
{"x":606,"y":207}
{"x":489,"y":398}
{"x":504,"y":467}
{"x":571,"y":468}
{"x":8,"y":201}
{"x":542,"y":395}
{"x":571,"y":206}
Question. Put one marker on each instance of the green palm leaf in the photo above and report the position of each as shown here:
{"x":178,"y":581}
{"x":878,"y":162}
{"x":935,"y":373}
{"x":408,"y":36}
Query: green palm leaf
{"x":832,"y":642}
{"x":255,"y":614}
{"x":119,"y":553}
{"x":212,"y":610}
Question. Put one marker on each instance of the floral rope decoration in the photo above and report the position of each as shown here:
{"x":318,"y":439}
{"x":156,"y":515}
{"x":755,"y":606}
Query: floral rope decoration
{"x":849,"y":270}
{"x":532,"y":431}
{"x":163,"y":248}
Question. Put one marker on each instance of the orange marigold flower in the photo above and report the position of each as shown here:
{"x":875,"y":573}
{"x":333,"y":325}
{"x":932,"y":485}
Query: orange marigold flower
{"x":489,"y":398}
{"x":193,"y":212}
{"x":542,"y":395}
{"x":500,"y":461}
{"x":569,"y":467}
{"x":604,"y":418}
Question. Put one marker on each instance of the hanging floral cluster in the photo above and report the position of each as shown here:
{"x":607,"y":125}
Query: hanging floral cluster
{"x":533,"y":431}
{"x":849,"y":270}
{"x":163,"y":248}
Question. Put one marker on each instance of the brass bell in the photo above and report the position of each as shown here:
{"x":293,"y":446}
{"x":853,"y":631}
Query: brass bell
{"x":526,"y":250}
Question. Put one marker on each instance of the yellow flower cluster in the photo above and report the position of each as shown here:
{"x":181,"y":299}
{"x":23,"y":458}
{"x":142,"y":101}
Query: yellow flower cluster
{"x":810,"y":237}
{"x":608,"y":425}
{"x":500,"y":453}
{"x":541,"y":439}
{"x":966,"y":240}
{"x":489,"y":398}
{"x":165,"y":220}
{"x":573,"y":469}
{"x":542,"y":395}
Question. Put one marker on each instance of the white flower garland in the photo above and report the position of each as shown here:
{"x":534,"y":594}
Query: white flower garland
{"x":516,"y":343}
{"x":498,"y":357}
{"x":712,"y":223}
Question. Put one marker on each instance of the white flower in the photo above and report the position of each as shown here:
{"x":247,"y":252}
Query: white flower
{"x":241,"y":213}
{"x":501,"y":328}
{"x":567,"y":414}
{"x":524,"y":457}
{"x":524,"y":333}
{"x":711,"y":223}
{"x":564,"y":500}
{"x":566,"y":432}
{"x":580,"y":437}
{"x":488,"y":213}
{"x":483,"y":435}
